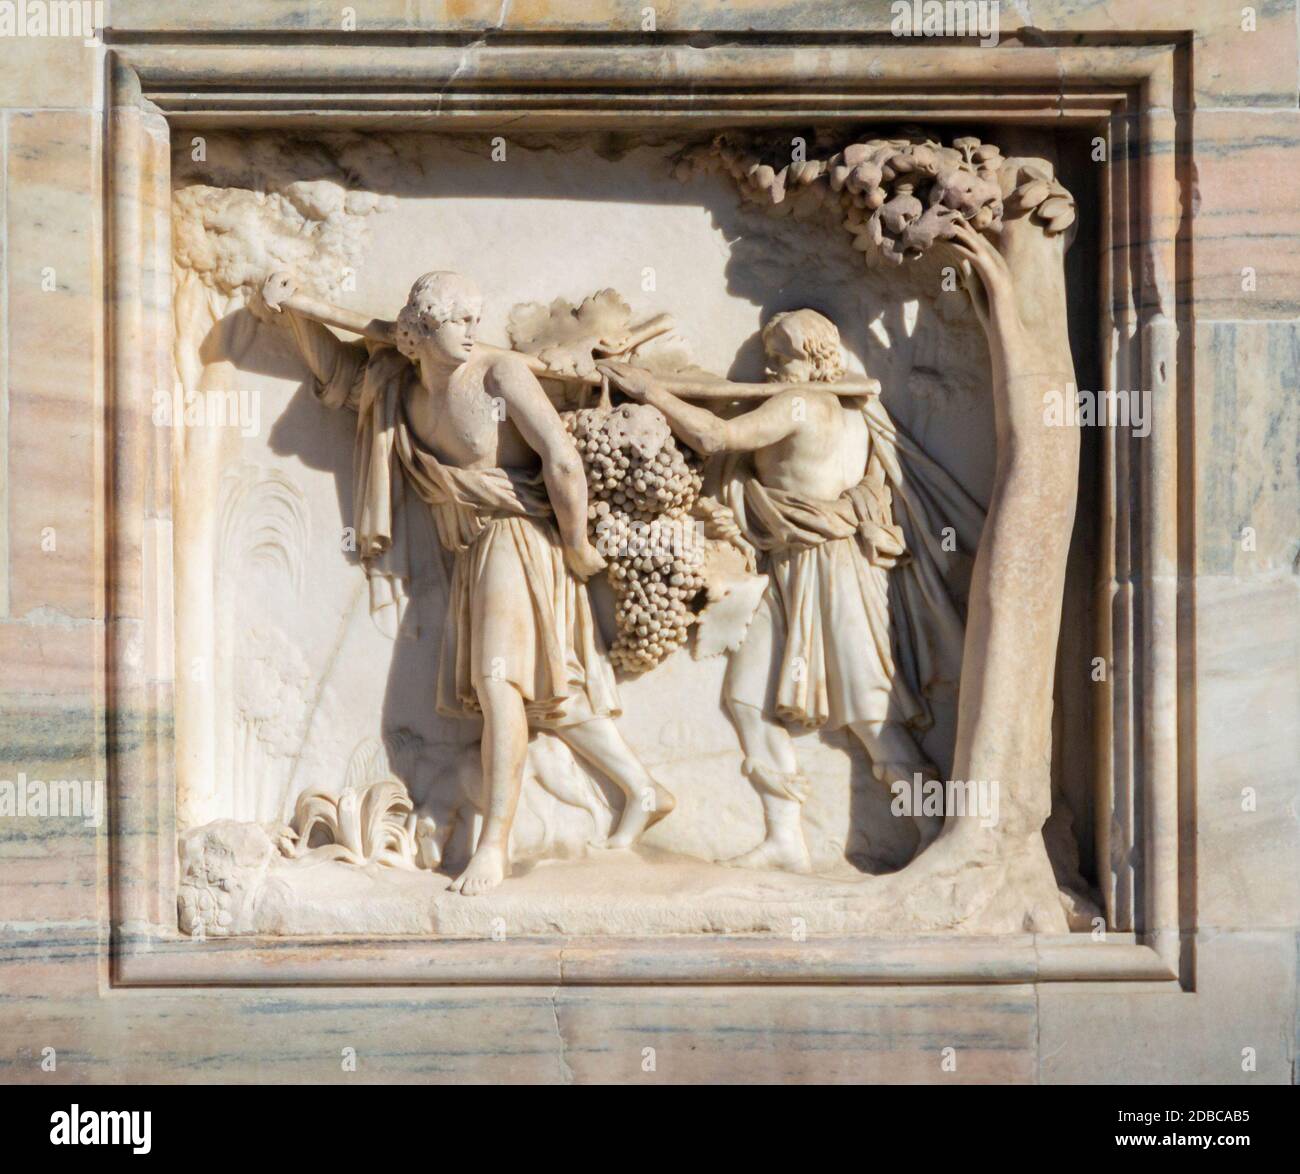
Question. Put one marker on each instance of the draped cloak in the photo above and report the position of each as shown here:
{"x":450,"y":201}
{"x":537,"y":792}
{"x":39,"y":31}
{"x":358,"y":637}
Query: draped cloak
{"x":863,"y":616}
{"x":514,"y":610}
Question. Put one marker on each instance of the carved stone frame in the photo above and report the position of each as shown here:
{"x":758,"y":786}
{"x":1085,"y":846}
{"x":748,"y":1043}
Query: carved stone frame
{"x":1130,"y":92}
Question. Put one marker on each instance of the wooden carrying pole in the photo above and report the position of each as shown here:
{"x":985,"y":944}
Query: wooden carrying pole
{"x":687,"y":386}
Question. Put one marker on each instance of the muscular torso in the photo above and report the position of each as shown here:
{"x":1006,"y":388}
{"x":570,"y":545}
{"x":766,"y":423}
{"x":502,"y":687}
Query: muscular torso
{"x":461,"y":421}
{"x":825,"y":455}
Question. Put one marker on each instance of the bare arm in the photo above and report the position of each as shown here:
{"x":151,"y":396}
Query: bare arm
{"x":704,"y":431}
{"x":335,"y":364}
{"x":328,"y":356}
{"x":280,"y":291}
{"x":539,"y":424}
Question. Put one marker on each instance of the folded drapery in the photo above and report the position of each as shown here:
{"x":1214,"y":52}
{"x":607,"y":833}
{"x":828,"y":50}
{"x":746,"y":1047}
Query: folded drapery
{"x":857,"y":643}
{"x":539,"y":632}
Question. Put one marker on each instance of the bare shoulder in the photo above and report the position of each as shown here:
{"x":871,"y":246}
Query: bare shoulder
{"x":807,"y":396}
{"x":506,"y":368}
{"x":824,"y":396}
{"x":784,"y":400}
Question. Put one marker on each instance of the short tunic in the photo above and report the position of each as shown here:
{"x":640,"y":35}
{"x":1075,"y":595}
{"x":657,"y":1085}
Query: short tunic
{"x":515,"y":612}
{"x":818,"y":650}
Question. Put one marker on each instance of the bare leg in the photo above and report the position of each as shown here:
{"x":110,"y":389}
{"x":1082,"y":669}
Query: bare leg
{"x":602,"y":744}
{"x":772,"y":767}
{"x":505,"y":743}
{"x":895,"y":757}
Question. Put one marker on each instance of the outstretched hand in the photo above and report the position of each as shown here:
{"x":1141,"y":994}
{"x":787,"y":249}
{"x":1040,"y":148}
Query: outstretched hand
{"x":633,"y":382}
{"x":278,"y":287}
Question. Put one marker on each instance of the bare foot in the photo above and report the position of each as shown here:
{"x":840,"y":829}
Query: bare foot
{"x":640,"y":814}
{"x":786,"y":852}
{"x":486,"y":870}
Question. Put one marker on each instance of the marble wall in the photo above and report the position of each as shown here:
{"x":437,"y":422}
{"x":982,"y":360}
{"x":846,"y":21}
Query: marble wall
{"x":1239,"y":590}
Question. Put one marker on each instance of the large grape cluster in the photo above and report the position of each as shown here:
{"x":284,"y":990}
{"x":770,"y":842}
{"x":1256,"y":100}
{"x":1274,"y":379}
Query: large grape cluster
{"x":641,"y":489}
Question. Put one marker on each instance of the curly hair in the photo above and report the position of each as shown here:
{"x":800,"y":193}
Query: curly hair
{"x":434,"y":299}
{"x":812,"y":335}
